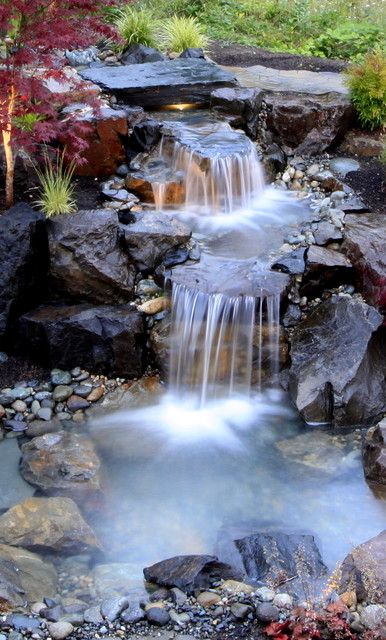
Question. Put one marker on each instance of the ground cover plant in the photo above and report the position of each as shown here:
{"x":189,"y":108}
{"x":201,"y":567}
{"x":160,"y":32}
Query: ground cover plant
{"x":367,"y":83}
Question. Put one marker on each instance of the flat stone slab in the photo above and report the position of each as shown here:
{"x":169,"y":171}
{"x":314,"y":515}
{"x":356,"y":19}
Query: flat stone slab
{"x":316,"y":82}
{"x":155,"y":84}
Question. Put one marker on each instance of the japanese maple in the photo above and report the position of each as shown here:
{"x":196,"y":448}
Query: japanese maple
{"x":33,"y":33}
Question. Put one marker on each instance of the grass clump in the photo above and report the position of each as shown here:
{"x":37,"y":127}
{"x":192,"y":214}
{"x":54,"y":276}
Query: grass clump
{"x":180,"y":33}
{"x":367,"y":84}
{"x":57,"y":190}
{"x":136,"y":26}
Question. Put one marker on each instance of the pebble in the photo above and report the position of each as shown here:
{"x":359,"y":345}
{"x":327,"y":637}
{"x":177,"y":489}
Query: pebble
{"x":82,"y":376}
{"x":43,"y":395}
{"x":76,"y":372}
{"x":96,"y":394}
{"x":58,"y":376}
{"x":208,"y":599}
{"x":19,"y":406}
{"x":159,"y":617}
{"x":20,"y":393}
{"x":62,"y":392}
{"x":45,"y":413}
{"x":112,"y":607}
{"x":35,"y":406}
{"x":283,"y":601}
{"x":179,"y":597}
{"x":267,"y":612}
{"x":132,"y":615}
{"x":60,"y":630}
{"x":151,"y":307}
{"x":265,"y":594}
{"x":76,"y":402}
{"x":179,"y":618}
{"x":36,"y":607}
{"x":240,"y":610}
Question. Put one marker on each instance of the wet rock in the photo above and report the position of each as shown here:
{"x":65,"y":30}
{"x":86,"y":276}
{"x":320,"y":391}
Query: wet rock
{"x":40,"y":427}
{"x":159,"y":83}
{"x":306,"y":123}
{"x":374,"y":616}
{"x":265,"y":594}
{"x":292,"y":315}
{"x":62,"y":464}
{"x":233,"y":586}
{"x":179,"y":597}
{"x":325,"y":268}
{"x":365,"y":245}
{"x":240,"y":610}
{"x":60,"y":630}
{"x":86,"y":259}
{"x":105,"y":339}
{"x":49,"y":525}
{"x":11,"y":492}
{"x":132,"y":615}
{"x":103,"y":131}
{"x":113,"y":580}
{"x":158,"y":616}
{"x":138,"y":54}
{"x":24,"y":577}
{"x":145,"y":135}
{"x":24,"y":262}
{"x":240,"y":103}
{"x":96,"y":394}
{"x":321,"y":450}
{"x":74,"y":403}
{"x":151,"y":307}
{"x":93,"y":615}
{"x":326,"y":233}
{"x":364,"y":571}
{"x":189,"y":572}
{"x":111,"y":608}
{"x":208,"y":599}
{"x":374,"y":454}
{"x":337,"y":370}
{"x":267,"y":612}
{"x":292,"y":263}
{"x":150,"y":237}
{"x":283,"y":601}
{"x":62,"y":392}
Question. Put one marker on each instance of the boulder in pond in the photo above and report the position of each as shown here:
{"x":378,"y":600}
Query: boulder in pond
{"x":86,"y":258}
{"x":365,"y":245}
{"x":48,"y":525}
{"x":338,"y":364}
{"x":308,"y":124}
{"x":106,"y":339}
{"x":190,"y":572}
{"x":23,"y":264}
{"x":24,"y":577}
{"x":374,"y":454}
{"x":364,"y":571}
{"x":62,"y":464}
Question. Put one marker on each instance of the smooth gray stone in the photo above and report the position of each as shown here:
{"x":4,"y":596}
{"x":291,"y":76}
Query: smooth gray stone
{"x":13,"y":488}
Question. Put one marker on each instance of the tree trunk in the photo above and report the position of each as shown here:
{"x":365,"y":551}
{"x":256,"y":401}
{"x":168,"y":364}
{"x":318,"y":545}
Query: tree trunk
{"x":9,"y":156}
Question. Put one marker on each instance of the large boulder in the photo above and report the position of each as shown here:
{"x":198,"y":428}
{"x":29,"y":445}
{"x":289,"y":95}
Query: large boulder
{"x":104,"y":130}
{"x":47,"y":525}
{"x":365,"y":245}
{"x":106,"y":339}
{"x":185,"y":80}
{"x":86,"y":259}
{"x":24,"y":577}
{"x":308,"y":124}
{"x":150,"y":236}
{"x":62,"y":464}
{"x":23,"y":264}
{"x":241,"y":105}
{"x":189,"y":572}
{"x":364,"y":571}
{"x":374,"y":454}
{"x":338,"y":364}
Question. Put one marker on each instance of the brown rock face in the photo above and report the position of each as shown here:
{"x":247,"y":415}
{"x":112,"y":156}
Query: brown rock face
{"x":365,"y":245}
{"x":47,"y":524}
{"x":364,"y":571}
{"x":173,"y":192}
{"x":24,"y":577}
{"x":374,"y":454}
{"x":62,"y":464}
{"x":308,"y":124}
{"x":105,"y":132}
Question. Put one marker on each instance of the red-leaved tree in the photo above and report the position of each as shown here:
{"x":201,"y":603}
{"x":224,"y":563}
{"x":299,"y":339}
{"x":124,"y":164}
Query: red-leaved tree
{"x":33,"y":33}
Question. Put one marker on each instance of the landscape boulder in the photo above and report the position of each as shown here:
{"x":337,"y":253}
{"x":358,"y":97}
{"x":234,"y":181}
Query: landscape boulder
{"x":325,"y":268}
{"x":338,"y":364}
{"x":308,"y":124}
{"x":86,"y":259}
{"x":47,"y":525}
{"x":139,"y":53}
{"x":364,"y":571}
{"x":24,"y":577}
{"x":365,"y":245}
{"x":62,"y":464}
{"x":241,"y":104}
{"x":106,"y":339}
{"x":374,"y":454}
{"x":23,"y":263}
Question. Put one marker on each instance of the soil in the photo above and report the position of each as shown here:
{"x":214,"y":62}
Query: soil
{"x":369,"y":183}
{"x":239,"y":55}
{"x":17,"y":369}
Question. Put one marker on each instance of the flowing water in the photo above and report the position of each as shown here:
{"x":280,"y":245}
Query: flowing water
{"x":221,"y":450}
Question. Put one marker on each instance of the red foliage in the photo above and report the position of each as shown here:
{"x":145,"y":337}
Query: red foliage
{"x":326,"y":623}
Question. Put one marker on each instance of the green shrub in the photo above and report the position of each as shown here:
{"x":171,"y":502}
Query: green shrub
{"x":349,"y":41}
{"x":136,"y":26}
{"x":180,"y":33}
{"x":367,"y":84}
{"x":57,"y":190}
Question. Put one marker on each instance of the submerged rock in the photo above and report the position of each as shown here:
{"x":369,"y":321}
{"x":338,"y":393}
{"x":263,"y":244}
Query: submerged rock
{"x":364,"y":571}
{"x":24,"y":577}
{"x":107,"y":339}
{"x":337,"y":370}
{"x":23,"y":264}
{"x":374,"y":454}
{"x":16,"y":490}
{"x":86,"y":259}
{"x":47,"y":524}
{"x":63,"y":464}
{"x":189,"y":572}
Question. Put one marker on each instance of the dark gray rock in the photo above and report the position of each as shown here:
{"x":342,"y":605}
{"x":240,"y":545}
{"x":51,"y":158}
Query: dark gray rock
{"x":149,"y":238}
{"x":159,"y":83}
{"x":374,"y":454}
{"x":292,"y":263}
{"x":159,"y":617}
{"x":364,"y":571}
{"x":82,"y":57}
{"x":338,"y":363}
{"x":326,"y":233}
{"x":132,"y":615}
{"x":193,"y":52}
{"x":145,"y":135}
{"x":22,"y":622}
{"x":93,"y":615}
{"x":160,"y":345}
{"x":308,"y":124}
{"x":240,"y":103}
{"x":23,"y":264}
{"x":267,"y":612}
{"x":108,"y":339}
{"x":189,"y":572}
{"x":274,"y":160}
{"x":292,"y":315}
{"x":86,"y":259}
{"x":138,"y":54}
{"x":325,"y":268}
{"x":111,"y":608}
